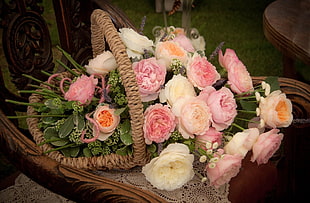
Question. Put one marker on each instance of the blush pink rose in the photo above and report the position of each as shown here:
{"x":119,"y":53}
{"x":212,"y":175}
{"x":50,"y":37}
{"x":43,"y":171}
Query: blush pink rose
{"x":266,"y":145}
{"x":150,"y":76}
{"x":212,"y":136}
{"x":184,"y":42}
{"x":159,"y":122}
{"x":239,"y":78}
{"x":200,"y":72}
{"x":227,"y":167}
{"x":222,"y":106}
{"x":194,"y":116}
{"x":82,"y":89}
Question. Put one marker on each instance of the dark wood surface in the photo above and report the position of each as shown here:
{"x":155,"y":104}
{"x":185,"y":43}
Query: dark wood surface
{"x":287,"y":26}
{"x":81,"y":185}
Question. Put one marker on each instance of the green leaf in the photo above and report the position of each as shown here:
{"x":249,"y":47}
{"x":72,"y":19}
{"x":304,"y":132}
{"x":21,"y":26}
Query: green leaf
{"x":67,"y":127}
{"x":87,"y":152}
{"x":79,"y":121}
{"x":152,"y":148}
{"x":125,"y":127}
{"x":124,"y":151}
{"x":126,"y":138}
{"x":50,"y":132}
{"x":249,"y":106}
{"x":119,"y":111}
{"x":71,"y":151}
{"x":273,"y":82}
{"x":49,"y":120}
{"x":59,"y":143}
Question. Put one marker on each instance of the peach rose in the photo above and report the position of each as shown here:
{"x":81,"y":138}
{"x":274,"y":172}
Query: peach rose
{"x":200,"y":72}
{"x":106,"y":120}
{"x":150,"y":76}
{"x":266,"y":145}
{"x":178,"y":86}
{"x":239,"y":78}
{"x":194,"y":116}
{"x":227,"y":167}
{"x":159,"y":122}
{"x":82,"y":89}
{"x":242,"y":142}
{"x":222,"y":105}
{"x":168,"y":50}
{"x":276,"y":110}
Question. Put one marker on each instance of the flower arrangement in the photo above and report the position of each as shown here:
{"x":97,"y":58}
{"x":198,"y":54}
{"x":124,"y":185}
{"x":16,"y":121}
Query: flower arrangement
{"x":191,"y":110}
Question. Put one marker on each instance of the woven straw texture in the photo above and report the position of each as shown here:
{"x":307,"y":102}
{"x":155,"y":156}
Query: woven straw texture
{"x":103,"y":31}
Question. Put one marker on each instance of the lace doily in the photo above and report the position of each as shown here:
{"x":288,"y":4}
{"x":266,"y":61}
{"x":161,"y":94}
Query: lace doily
{"x":194,"y":191}
{"x":26,"y":190}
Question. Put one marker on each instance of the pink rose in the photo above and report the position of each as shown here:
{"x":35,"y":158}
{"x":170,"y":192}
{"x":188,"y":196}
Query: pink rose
{"x":194,"y":116}
{"x":266,"y":145}
{"x":222,"y":106}
{"x":239,"y":78}
{"x":200,"y":72}
{"x":106,"y":120}
{"x":82,"y":89}
{"x":150,"y":76}
{"x":212,"y":136}
{"x":276,"y":110}
{"x":159,"y":122}
{"x":184,"y":42}
{"x":227,"y":167}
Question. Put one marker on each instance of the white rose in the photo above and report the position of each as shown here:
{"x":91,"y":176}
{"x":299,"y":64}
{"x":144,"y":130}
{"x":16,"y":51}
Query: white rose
{"x":178,"y":86}
{"x":242,"y":142}
{"x":101,"y":64}
{"x":172,"y":169}
{"x":135,"y":43}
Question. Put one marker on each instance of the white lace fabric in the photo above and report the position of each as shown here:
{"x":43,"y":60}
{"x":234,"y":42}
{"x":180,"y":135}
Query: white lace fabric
{"x":26,"y":190}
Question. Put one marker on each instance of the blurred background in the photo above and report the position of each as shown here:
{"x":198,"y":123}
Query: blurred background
{"x":238,"y":23}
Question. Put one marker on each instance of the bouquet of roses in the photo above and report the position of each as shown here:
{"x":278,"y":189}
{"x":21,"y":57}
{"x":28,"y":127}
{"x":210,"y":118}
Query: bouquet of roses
{"x":190,"y":109}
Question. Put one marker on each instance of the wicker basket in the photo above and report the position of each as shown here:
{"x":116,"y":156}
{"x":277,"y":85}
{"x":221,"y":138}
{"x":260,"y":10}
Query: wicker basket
{"x":103,"y":31}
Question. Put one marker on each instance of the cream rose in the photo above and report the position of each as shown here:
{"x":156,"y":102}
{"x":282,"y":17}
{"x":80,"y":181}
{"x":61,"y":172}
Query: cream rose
{"x":101,"y":64}
{"x":242,"y":142}
{"x":171,"y":169}
{"x":178,"y":86}
{"x":135,"y":43}
{"x":194,"y":116}
{"x":276,"y":110}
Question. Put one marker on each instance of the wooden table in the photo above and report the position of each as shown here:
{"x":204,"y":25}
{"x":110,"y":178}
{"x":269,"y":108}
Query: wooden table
{"x":286,"y":25}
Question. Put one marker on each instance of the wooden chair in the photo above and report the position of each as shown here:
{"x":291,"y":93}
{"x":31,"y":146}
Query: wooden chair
{"x":27,"y":48}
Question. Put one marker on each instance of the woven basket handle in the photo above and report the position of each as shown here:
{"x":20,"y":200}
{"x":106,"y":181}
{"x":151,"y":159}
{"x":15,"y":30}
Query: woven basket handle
{"x":103,"y":30}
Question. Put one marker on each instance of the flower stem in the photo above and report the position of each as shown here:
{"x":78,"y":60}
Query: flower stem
{"x":238,"y":126}
{"x":49,"y":141}
{"x":59,"y":148}
{"x":23,"y":103}
{"x":245,"y":111}
{"x":72,"y":61}
{"x":67,"y":68}
{"x":41,"y":93}
{"x":37,"y":80}
{"x":243,"y":119}
{"x":37,"y":116}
